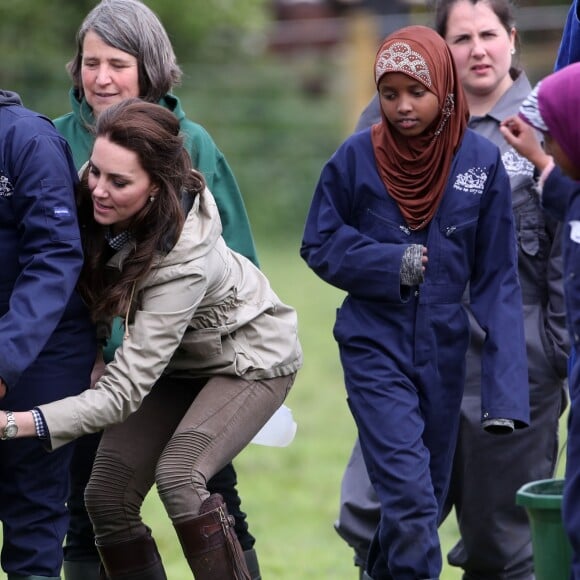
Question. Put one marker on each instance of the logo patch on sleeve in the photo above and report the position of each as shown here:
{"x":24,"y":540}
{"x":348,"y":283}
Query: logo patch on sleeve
{"x":6,"y":188}
{"x":575,"y":231}
{"x":61,"y":212}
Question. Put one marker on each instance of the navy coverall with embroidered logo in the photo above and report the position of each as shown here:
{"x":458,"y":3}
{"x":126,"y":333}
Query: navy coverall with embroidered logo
{"x":403,"y":348}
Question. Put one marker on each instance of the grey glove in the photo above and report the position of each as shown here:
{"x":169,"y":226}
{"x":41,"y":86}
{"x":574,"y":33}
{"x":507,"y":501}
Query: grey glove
{"x":498,"y":426}
{"x":412,"y":266}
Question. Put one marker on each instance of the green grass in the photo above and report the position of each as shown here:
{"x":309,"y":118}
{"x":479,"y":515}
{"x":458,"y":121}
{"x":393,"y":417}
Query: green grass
{"x":291,"y":495}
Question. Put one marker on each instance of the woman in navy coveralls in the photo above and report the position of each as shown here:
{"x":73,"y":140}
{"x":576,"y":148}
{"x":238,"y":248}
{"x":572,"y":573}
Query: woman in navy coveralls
{"x":48,"y":343}
{"x":405,"y":216}
{"x":552,"y":108}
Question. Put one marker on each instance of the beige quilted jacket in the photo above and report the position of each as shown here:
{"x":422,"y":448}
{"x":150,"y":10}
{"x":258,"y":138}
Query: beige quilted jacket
{"x":204,"y":310}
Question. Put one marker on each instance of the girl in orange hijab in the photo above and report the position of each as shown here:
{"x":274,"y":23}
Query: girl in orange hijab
{"x":405,"y":217}
{"x":414,"y":158}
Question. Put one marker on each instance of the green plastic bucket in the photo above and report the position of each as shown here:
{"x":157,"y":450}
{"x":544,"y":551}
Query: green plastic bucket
{"x":542,"y":501}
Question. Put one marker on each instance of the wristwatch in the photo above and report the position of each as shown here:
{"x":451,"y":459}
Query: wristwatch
{"x":11,"y":428}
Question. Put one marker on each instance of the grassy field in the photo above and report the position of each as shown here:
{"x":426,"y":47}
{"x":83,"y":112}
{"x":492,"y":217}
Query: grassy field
{"x":291,"y":494}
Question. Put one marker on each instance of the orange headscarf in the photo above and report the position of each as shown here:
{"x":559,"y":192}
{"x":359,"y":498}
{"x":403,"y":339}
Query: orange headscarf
{"x":416,"y":169}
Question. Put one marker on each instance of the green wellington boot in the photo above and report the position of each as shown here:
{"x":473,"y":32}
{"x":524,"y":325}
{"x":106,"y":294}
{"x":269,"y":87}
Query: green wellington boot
{"x":81,"y":569}
{"x":252,"y":563}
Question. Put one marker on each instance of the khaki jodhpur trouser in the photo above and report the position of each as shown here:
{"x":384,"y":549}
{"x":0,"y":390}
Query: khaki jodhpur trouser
{"x":183,"y":433}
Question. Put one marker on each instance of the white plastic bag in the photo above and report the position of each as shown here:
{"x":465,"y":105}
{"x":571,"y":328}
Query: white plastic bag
{"x":279,"y":431}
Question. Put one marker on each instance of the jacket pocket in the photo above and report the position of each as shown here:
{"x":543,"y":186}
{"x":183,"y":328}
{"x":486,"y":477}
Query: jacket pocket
{"x":454,"y":251}
{"x":205,"y":343}
{"x":532,"y":235}
{"x":459,"y":222}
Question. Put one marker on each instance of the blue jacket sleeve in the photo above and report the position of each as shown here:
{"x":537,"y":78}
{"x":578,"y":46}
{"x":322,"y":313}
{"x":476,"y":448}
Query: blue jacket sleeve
{"x":338,"y":252}
{"x":45,"y":237}
{"x":569,"y":50}
{"x":557,"y":193}
{"x":558,"y":338}
{"x":496,"y":302}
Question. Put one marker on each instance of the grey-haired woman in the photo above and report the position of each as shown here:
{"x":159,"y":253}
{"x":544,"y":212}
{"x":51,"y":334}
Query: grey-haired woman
{"x":123,"y":50}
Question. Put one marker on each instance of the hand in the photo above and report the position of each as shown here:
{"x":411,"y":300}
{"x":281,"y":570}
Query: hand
{"x":3,"y":389}
{"x":424,"y":259}
{"x":25,"y":422}
{"x":522,"y":137}
{"x":98,"y":368}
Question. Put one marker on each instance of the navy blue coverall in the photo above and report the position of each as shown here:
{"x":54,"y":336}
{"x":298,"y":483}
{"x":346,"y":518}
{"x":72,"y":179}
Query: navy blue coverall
{"x":561,"y":198}
{"x":47,"y":340}
{"x":402,"y":348}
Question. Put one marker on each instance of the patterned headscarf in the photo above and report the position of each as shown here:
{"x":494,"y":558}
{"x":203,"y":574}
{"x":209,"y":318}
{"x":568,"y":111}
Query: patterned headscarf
{"x":554,"y":107}
{"x":415,"y":170}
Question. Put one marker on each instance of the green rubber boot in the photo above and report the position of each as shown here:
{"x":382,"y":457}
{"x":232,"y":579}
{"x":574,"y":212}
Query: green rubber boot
{"x":81,"y":570}
{"x":252,"y":563}
{"x":18,"y":577}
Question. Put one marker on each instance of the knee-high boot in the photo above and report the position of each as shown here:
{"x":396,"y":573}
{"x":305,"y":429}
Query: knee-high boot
{"x":81,"y":569}
{"x":210,"y":544}
{"x":252,"y":563}
{"x":18,"y":577}
{"x":136,"y":559}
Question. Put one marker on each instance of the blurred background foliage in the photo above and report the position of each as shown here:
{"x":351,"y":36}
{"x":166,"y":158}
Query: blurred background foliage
{"x":273,"y":133}
{"x":278,"y":84}
{"x":48,"y":28}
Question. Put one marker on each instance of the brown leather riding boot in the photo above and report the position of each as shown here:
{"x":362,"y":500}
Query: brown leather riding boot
{"x":210,"y":543}
{"x":136,"y":559}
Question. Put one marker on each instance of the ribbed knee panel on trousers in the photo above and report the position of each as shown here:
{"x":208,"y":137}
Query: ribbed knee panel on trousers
{"x":106,"y":497}
{"x":181,"y":484}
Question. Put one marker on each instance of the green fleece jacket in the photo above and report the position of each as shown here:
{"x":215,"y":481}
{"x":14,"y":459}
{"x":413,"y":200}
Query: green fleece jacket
{"x":76,"y":126}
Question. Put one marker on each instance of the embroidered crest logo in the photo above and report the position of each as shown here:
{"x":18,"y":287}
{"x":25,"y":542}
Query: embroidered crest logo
{"x":472,"y":181}
{"x":575,"y":231}
{"x":61,"y":212}
{"x":6,"y":189}
{"x":400,"y":57}
{"x":516,"y":164}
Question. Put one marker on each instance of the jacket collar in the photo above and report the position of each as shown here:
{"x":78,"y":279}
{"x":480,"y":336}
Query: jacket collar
{"x":509,"y":102}
{"x":84,"y":113}
{"x":117,"y":260}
